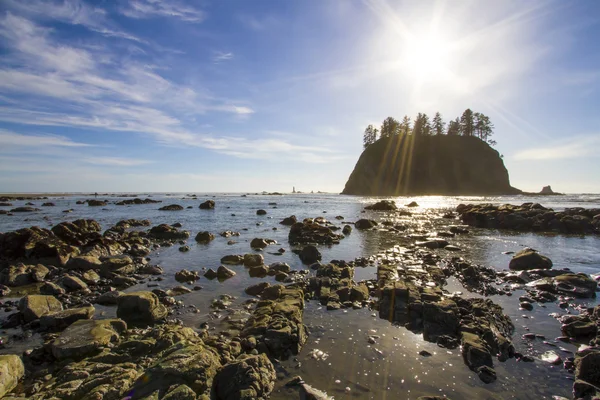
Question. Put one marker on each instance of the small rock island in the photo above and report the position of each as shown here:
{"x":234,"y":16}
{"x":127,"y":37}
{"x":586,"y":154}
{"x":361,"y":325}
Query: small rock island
{"x":408,"y":164}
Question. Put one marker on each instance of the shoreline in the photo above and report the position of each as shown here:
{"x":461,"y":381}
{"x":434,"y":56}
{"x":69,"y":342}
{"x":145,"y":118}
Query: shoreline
{"x":415,"y":249}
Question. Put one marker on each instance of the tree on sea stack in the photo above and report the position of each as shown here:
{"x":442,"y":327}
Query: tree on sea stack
{"x":390,"y":127}
{"x":467,"y":123}
{"x":438,"y":124}
{"x":370,"y":136}
{"x":405,"y":128}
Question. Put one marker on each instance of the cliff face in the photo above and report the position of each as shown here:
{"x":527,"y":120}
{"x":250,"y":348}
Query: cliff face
{"x":429,"y":165}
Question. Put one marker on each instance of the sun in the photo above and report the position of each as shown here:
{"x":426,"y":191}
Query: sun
{"x":427,"y":56}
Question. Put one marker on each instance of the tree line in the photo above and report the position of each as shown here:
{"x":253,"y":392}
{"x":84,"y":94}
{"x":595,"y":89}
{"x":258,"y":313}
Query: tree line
{"x":469,"y":124}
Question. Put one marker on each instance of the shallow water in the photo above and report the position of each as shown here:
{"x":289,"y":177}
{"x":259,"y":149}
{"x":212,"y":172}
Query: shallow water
{"x":392,"y":367}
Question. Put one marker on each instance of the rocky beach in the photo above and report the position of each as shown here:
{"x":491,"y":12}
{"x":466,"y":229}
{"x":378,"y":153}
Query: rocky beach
{"x":256,"y":296}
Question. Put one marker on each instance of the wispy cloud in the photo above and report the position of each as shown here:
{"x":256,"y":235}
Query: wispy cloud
{"x":162,"y":8}
{"x":221,"y":56}
{"x":257,"y":23}
{"x":116,"y":161}
{"x":573,"y":147}
{"x":9,"y":140}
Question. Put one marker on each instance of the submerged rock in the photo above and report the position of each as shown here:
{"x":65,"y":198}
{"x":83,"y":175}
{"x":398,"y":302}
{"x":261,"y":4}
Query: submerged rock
{"x":204,"y":237}
{"x":383,"y":205}
{"x":310,"y":255}
{"x":207,"y":205}
{"x":363,"y":224}
{"x":171,"y":207}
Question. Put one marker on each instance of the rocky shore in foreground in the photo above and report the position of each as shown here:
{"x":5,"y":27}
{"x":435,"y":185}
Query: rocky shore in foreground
{"x":62,"y":274}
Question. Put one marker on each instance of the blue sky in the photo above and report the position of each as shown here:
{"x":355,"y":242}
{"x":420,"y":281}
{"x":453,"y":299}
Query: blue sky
{"x":151,"y":95}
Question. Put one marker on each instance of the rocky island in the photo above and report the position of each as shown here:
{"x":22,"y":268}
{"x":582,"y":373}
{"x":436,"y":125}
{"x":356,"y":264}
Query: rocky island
{"x":429,"y":165}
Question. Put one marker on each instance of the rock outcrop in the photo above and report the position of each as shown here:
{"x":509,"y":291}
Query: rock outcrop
{"x":426,"y":165}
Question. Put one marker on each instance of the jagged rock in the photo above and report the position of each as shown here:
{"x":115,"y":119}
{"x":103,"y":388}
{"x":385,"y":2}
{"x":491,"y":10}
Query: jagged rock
{"x":224,"y":273}
{"x":528,"y":259}
{"x":578,"y":285}
{"x":171,"y":207}
{"x":310,"y":231}
{"x":365,"y":224}
{"x":204,"y":237}
{"x":51,"y":288}
{"x":178,"y":291}
{"x":252,"y":260}
{"x":186,"y":276}
{"x":441,"y":318}
{"x":210,"y":274}
{"x":259,"y":271}
{"x":140,"y":308}
{"x":86,"y":337}
{"x":587,"y":373}
{"x":310,"y":255}
{"x":35,"y":306}
{"x":249,"y":378}
{"x":475,"y":351}
{"x":11,"y":371}
{"x":383,"y":205}
{"x":62,"y":319}
{"x":207,"y":205}
{"x":279,"y":267}
{"x":21,"y":274}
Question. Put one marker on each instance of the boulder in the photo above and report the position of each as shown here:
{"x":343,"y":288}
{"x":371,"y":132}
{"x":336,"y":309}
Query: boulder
{"x":50,"y":288}
{"x":84,"y":263}
{"x":310,"y":255}
{"x":34,"y":306}
{"x":96,"y":203}
{"x":441,"y":318}
{"x":171,"y":207}
{"x":252,"y":260}
{"x":587,"y":367}
{"x":11,"y":371}
{"x":224,"y":273}
{"x":578,"y":285}
{"x":359,"y":293}
{"x":291,"y":220}
{"x":258,"y":271}
{"x":62,"y":319}
{"x":365,"y":224}
{"x":204,"y":237}
{"x":207,"y":205}
{"x":119,"y":262}
{"x":256,"y":290}
{"x":24,"y":209}
{"x":528,"y":259}
{"x":86,"y":337}
{"x":232,"y":259}
{"x":280,"y":267}
{"x":21,"y":274}
{"x":249,"y":378}
{"x":210,"y":274}
{"x":383,"y":205}
{"x":140,"y":308}
{"x":258,"y":243}
{"x":261,"y":212}
{"x":109,"y":298}
{"x":72,"y":283}
{"x":167,"y":232}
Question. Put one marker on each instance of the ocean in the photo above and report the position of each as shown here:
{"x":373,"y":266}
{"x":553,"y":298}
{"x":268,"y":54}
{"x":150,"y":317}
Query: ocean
{"x":352,"y":368}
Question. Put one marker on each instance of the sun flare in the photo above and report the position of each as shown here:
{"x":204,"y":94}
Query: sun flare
{"x":427,"y":56}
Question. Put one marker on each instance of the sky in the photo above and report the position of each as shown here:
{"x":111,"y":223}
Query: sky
{"x":236,"y":96}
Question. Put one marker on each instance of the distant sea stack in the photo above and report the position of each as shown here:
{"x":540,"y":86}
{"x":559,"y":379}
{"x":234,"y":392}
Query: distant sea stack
{"x":429,"y":165}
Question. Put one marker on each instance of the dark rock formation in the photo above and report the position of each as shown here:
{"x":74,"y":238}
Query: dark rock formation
{"x":422,"y":165}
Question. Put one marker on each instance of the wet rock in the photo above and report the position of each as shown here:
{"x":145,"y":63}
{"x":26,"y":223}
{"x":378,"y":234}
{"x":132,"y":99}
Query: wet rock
{"x":259,"y":271}
{"x":528,"y":259}
{"x":178,"y":291}
{"x":21,"y":274}
{"x":24,"y":209}
{"x":308,"y":392}
{"x":276,"y":323}
{"x":35,"y":306}
{"x":109,"y":298}
{"x":204,"y":237}
{"x":578,"y":285}
{"x":232,"y":259}
{"x":261,"y":212}
{"x":86,"y":337}
{"x":151,"y":270}
{"x":475,"y":352}
{"x":279,"y":267}
{"x":441,"y":318}
{"x":359,"y":293}
{"x":62,"y":319}
{"x":291,"y":220}
{"x":210,"y":274}
{"x":224,"y":273}
{"x":383,"y":205}
{"x":587,"y":373}
{"x":252,"y":260}
{"x":310,"y":231}
{"x":90,"y":277}
{"x":412,"y":204}
{"x":167,"y":232}
{"x":347,"y":229}
{"x":11,"y":371}
{"x":97,"y":203}
{"x":363,"y":224}
{"x":207,"y":205}
{"x":578,"y":327}
{"x":526,"y":305}
{"x":171,"y":207}
{"x":258,"y":243}
{"x":249,"y":378}
{"x":486,"y":374}
{"x":257,"y":289}
{"x":310,"y":255}
{"x":184,"y":249}
{"x":186,"y":276}
{"x":140,"y":308}
{"x":73,"y":283}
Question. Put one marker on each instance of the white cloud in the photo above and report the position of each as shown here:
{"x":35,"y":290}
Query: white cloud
{"x":10,"y":139}
{"x":221,"y":56}
{"x":162,"y":8}
{"x":574,"y":147}
{"x":258,"y":23}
